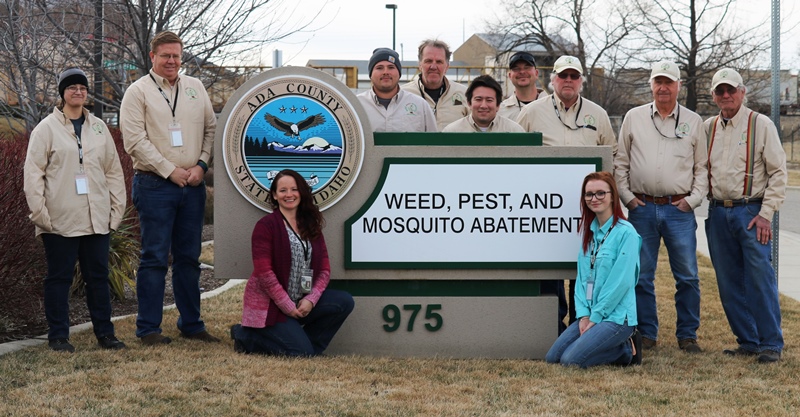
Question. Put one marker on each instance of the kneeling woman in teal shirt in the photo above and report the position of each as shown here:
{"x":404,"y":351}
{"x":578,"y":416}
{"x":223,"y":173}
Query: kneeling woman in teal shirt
{"x":608,"y":269}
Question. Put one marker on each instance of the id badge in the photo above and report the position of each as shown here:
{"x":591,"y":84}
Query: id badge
{"x":589,"y":290}
{"x":175,"y":134}
{"x":81,"y":184}
{"x":306,"y":281}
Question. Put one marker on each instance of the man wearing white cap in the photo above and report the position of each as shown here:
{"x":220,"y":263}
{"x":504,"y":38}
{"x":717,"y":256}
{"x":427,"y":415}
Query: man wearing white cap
{"x":661,"y":175}
{"x":523,"y":75}
{"x":389,"y":108}
{"x":747,"y":173}
{"x":566,"y":119}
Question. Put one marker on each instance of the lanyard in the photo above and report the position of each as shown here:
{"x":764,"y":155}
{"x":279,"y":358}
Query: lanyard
{"x":678,"y":135}
{"x":174,"y":105}
{"x":422,"y":93}
{"x":80,"y":150}
{"x":577,"y":126}
{"x":594,"y":250}
{"x":302,"y":242}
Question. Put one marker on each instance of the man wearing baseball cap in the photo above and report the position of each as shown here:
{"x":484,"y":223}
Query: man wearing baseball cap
{"x":389,"y":108}
{"x":566,"y":119}
{"x":523,"y":75}
{"x":747,"y":174}
{"x":661,"y":173}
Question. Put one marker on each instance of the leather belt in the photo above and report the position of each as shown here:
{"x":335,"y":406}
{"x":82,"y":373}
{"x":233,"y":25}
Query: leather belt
{"x":662,"y":200}
{"x":735,"y":203}
{"x":152,"y":174}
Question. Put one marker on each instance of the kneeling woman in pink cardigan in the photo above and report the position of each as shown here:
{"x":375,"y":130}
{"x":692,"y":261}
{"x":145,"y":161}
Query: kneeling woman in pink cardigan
{"x":287,"y":308}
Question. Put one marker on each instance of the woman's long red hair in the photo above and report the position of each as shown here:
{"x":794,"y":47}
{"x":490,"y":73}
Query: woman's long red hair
{"x":588,"y":216}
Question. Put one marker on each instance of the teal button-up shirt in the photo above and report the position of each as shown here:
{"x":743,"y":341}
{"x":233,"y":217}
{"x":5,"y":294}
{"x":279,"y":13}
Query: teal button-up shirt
{"x":615,"y":274}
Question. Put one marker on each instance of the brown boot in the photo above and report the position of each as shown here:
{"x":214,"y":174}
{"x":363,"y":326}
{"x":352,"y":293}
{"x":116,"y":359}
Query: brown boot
{"x":689,"y":346}
{"x":155,"y":339}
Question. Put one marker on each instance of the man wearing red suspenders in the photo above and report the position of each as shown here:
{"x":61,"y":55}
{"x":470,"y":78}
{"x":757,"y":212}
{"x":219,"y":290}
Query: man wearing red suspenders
{"x":747,"y":175}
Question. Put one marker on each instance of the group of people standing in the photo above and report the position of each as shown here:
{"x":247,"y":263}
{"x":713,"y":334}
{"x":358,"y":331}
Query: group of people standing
{"x":666,"y":161}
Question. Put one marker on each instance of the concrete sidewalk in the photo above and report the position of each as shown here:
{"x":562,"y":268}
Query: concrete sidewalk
{"x":788,"y":255}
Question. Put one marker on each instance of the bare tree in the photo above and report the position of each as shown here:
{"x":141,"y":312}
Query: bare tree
{"x":594,"y":31}
{"x":39,"y":37}
{"x":31,"y":56}
{"x":702,"y":37}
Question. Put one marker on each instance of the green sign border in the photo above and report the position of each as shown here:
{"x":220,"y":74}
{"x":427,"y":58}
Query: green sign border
{"x":387,"y":162}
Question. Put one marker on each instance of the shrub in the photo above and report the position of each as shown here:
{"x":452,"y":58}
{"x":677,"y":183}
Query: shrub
{"x":208,"y":215}
{"x":22,"y":261}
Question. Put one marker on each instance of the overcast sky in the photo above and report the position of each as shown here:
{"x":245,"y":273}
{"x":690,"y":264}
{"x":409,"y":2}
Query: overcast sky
{"x":353,"y":28}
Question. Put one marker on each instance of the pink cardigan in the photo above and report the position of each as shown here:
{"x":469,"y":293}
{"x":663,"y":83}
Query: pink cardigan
{"x":266,"y":301}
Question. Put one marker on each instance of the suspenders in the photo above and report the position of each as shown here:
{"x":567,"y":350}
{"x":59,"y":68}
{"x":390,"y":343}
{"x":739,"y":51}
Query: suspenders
{"x":751,"y":147}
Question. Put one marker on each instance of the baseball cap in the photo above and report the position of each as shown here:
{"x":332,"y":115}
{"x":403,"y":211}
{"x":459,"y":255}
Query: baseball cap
{"x":521,"y":56}
{"x":567,"y":62}
{"x":726,"y":76}
{"x":667,"y":69}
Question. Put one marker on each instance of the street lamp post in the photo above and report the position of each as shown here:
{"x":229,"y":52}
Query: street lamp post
{"x":394,"y":23}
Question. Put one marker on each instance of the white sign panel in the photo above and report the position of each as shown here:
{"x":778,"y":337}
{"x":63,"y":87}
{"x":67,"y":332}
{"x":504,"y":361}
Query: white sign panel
{"x":518,"y":213}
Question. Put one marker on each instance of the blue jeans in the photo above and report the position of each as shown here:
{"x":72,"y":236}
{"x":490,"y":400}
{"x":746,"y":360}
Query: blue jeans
{"x":605,"y":343}
{"x":92,"y":253}
{"x":308,"y":336}
{"x":171,"y":219}
{"x":654,"y":222}
{"x":747,"y":285}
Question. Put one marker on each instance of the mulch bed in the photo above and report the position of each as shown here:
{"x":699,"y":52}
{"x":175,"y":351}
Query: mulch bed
{"x":79,"y":313}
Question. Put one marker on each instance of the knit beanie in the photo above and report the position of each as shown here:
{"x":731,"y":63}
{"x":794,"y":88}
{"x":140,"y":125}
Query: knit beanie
{"x":71,"y":76}
{"x":385,"y":54}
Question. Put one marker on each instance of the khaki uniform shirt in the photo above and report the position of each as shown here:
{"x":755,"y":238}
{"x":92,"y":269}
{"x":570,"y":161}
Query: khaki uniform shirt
{"x":406,"y":113}
{"x":728,"y":156}
{"x":51,"y":165}
{"x":145,"y":117}
{"x":499,"y":124}
{"x":540,"y":116}
{"x":452,"y":105}
{"x":648,"y":163}
{"x":511,"y":107}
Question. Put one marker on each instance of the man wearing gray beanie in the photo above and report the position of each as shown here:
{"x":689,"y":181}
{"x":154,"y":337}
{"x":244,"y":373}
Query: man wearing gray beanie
{"x":389,"y":108}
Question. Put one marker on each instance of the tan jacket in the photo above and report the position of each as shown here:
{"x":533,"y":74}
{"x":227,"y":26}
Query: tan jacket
{"x":728,"y":156}
{"x":145,"y":116}
{"x":406,"y":113}
{"x":51,"y":165}
{"x":452,"y":105}
{"x":499,"y":124}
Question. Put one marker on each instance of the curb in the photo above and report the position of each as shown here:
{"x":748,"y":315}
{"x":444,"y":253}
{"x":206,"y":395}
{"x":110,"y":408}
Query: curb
{"x":16,"y":345}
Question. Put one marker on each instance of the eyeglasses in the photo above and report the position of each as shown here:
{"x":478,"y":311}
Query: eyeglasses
{"x":600,"y":195}
{"x":722,"y":89}
{"x":167,"y":57}
{"x":75,"y":88}
{"x":572,"y":75}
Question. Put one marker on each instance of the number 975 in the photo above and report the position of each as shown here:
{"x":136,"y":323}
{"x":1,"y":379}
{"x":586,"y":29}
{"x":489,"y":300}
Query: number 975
{"x":393,"y":317}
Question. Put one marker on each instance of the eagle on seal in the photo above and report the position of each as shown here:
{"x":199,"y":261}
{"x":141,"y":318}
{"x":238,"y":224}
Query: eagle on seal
{"x":293,"y":129}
